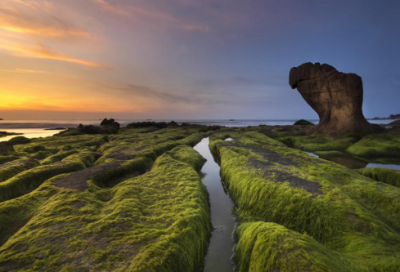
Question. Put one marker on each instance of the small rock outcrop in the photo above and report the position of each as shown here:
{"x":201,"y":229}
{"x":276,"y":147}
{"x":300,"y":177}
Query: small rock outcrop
{"x":110,"y":122}
{"x":303,"y":122}
{"x":107,"y":126}
{"x":336,"y":97}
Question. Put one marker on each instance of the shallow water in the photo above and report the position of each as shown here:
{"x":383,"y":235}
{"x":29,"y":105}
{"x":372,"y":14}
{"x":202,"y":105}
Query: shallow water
{"x":220,"y":250}
{"x":29,"y":133}
{"x":390,"y":166}
{"x":354,"y":163}
{"x":311,"y":154}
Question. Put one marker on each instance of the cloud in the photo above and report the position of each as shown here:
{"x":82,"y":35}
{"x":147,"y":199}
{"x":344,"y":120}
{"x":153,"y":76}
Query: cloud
{"x":111,"y":8}
{"x":43,"y":24}
{"x":234,"y":81}
{"x":160,"y":18}
{"x":25,"y":71}
{"x":42,"y":52}
{"x":165,"y":97}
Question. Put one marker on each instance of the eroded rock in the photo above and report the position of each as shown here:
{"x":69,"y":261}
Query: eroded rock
{"x":336,"y":97}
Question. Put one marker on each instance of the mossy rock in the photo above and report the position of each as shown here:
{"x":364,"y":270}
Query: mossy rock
{"x":8,"y":158}
{"x":159,"y":221}
{"x":41,"y":155}
{"x":19,"y":140}
{"x":185,"y":154}
{"x":6,"y":149}
{"x":10,"y":169}
{"x":320,"y":142}
{"x":384,"y":145}
{"x":33,"y":149}
{"x":349,"y":215}
{"x":303,"y":122}
{"x":271,"y":247}
{"x":385,"y":175}
{"x":100,"y":203}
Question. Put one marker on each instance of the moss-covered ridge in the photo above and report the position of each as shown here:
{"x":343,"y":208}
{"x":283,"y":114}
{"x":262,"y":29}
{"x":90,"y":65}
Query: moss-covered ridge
{"x":287,"y":250}
{"x":384,"y":145}
{"x":342,"y":210}
{"x":157,"y":221}
{"x":385,"y":175}
{"x":75,"y":153}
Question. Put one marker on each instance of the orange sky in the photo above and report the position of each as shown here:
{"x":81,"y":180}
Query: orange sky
{"x":59,"y":56}
{"x":187,"y":58}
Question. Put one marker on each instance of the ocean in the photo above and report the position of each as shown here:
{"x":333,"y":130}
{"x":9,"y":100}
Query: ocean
{"x":37,"y":128}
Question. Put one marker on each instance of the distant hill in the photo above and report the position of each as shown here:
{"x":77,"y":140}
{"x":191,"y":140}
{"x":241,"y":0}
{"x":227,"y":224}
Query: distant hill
{"x":392,"y":116}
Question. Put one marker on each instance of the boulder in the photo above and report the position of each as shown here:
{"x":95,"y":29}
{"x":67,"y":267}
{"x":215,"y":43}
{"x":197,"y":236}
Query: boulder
{"x":303,"y":122}
{"x":110,"y":122}
{"x":336,"y":97}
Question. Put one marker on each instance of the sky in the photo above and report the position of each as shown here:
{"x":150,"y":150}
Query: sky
{"x":189,"y":59}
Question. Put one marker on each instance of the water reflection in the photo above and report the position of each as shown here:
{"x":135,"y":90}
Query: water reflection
{"x":390,"y":166}
{"x":354,"y":163}
{"x":349,"y":162}
{"x":29,"y":133}
{"x":220,"y":250}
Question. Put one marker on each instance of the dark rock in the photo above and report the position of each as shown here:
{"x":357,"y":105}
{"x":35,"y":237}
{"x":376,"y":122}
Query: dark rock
{"x":395,"y":123}
{"x":336,"y":97}
{"x":303,"y":122}
{"x":173,"y":124}
{"x":107,"y":126}
{"x":56,"y":128}
{"x":153,"y":124}
{"x":110,"y":122}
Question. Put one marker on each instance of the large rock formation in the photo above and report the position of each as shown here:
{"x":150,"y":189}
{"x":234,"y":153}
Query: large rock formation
{"x":336,"y":97}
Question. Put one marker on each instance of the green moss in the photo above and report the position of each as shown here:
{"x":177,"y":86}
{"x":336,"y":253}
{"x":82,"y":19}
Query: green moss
{"x":29,"y":180}
{"x":342,"y":210}
{"x":107,"y":178}
{"x":8,"y":158}
{"x":385,"y":145}
{"x":41,"y":155}
{"x":158,"y":221}
{"x":32,"y":148}
{"x":272,"y":247}
{"x":330,"y":154}
{"x":58,"y":157}
{"x":320,"y":142}
{"x":87,"y":158}
{"x":151,"y":146}
{"x":385,"y":175}
{"x":19,"y":140}
{"x":55,"y":144}
{"x":185,"y":154}
{"x":12,"y":168}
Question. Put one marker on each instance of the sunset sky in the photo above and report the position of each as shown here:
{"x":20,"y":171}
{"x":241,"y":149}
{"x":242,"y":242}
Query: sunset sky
{"x":188,"y":59}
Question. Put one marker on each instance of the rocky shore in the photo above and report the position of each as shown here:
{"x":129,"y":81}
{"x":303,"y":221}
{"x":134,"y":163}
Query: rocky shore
{"x":134,"y":200}
{"x":112,"y":198}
